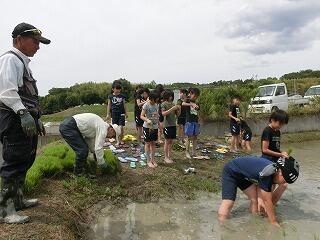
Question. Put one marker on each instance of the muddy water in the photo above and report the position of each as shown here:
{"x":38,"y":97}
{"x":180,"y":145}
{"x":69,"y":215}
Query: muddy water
{"x":298,"y":211}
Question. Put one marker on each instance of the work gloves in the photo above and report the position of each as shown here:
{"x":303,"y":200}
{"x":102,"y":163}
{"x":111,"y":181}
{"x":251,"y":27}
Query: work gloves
{"x":28,"y":124}
{"x":41,"y":128}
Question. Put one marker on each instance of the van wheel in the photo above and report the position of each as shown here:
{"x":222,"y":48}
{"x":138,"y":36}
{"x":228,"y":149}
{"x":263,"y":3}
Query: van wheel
{"x":275,"y":108}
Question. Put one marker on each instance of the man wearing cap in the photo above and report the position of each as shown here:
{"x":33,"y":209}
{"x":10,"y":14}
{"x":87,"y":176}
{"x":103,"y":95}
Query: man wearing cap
{"x":255,"y":177}
{"x":87,"y":132}
{"x":19,"y":120}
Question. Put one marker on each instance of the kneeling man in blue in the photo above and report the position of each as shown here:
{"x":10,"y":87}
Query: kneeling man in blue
{"x":255,"y":177}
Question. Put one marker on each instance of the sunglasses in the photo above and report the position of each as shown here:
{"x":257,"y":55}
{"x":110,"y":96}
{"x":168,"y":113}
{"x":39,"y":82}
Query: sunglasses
{"x":34,"y":31}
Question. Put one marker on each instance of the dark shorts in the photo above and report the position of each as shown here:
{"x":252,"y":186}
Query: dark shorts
{"x":139,"y":122}
{"x":230,"y":182}
{"x":119,"y":119}
{"x":150,"y":135}
{"x":234,"y":128}
{"x":170,"y":132}
{"x":181,"y":121}
{"x":247,"y":136}
{"x":192,"y":129}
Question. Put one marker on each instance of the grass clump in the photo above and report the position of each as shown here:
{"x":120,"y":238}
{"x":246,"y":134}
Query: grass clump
{"x":55,"y":159}
{"x":113,"y":165}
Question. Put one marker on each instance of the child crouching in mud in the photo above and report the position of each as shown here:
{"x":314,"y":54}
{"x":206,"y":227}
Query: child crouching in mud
{"x":256,"y":175}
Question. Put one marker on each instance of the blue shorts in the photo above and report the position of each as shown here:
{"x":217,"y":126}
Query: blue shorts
{"x":192,"y":129}
{"x":230,"y":182}
{"x":234,"y":128}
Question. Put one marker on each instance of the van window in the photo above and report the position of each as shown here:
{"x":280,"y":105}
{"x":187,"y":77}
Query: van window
{"x":280,"y":91}
{"x":266,"y":91}
{"x":313,"y":91}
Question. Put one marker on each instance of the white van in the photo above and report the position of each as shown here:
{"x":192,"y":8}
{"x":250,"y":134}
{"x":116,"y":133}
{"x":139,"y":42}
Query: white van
{"x":312,"y":92}
{"x":269,"y":98}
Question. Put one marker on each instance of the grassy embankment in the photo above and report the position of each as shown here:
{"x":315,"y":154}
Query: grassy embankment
{"x":100,"y":110}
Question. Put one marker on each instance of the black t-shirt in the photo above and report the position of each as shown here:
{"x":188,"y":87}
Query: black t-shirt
{"x":191,"y":113}
{"x":235,"y":112}
{"x":117,"y":103}
{"x":138,"y":109}
{"x":183,"y":110}
{"x":273,"y":137}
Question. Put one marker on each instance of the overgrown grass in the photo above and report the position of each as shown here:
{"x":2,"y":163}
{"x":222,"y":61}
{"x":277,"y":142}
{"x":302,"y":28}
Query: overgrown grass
{"x":58,"y":158}
{"x":84,"y":191}
{"x":100,"y":110}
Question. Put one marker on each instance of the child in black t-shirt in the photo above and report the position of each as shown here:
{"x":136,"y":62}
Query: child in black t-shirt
{"x":141,"y":98}
{"x":270,"y":139}
{"x":182,"y":117}
{"x":116,"y":108}
{"x":246,"y":134}
{"x":270,"y":145}
{"x":234,"y":115}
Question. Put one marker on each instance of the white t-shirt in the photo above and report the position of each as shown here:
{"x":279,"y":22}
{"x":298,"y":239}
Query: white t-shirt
{"x":94,"y":131}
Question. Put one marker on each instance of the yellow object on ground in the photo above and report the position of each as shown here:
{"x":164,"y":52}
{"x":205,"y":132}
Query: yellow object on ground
{"x":222,"y":150}
{"x":129,"y":138}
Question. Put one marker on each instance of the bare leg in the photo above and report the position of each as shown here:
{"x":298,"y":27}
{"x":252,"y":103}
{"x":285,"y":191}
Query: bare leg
{"x":225,"y":209}
{"x":147,"y":153}
{"x":169,"y":148}
{"x":121,"y":135}
{"x":194,"y":145}
{"x":261,"y":206}
{"x":251,"y":193}
{"x":153,"y":151}
{"x":139,"y":134}
{"x":233,"y":144}
{"x":166,"y":148}
{"x":248,"y":146}
{"x":181,"y":133}
{"x":160,"y":133}
{"x":277,"y":193}
{"x":188,"y":147}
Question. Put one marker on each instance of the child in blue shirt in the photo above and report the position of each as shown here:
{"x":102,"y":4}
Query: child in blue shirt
{"x":255,"y":176}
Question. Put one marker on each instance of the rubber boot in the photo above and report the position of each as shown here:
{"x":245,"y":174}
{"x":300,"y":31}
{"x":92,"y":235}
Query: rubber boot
{"x":7,"y":194}
{"x":79,"y":168}
{"x":20,"y":202}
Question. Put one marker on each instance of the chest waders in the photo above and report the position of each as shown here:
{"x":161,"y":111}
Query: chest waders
{"x":11,"y":194}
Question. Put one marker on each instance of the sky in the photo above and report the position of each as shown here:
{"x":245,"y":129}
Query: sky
{"x":164,"y":40}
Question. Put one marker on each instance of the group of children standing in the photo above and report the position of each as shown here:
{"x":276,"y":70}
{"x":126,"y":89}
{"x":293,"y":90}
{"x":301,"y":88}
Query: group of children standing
{"x":263,"y":179}
{"x":155,"y":114}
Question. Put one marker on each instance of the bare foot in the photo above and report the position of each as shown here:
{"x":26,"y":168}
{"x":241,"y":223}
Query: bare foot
{"x":150,"y":164}
{"x":168,"y":160}
{"x":188,"y":155}
{"x":154,"y":163}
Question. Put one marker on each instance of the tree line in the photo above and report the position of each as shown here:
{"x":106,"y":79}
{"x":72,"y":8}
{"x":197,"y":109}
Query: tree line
{"x":215,"y":95}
